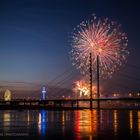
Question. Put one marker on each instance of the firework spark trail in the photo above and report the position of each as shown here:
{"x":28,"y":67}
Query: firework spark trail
{"x":102,"y":38}
{"x":82,"y":88}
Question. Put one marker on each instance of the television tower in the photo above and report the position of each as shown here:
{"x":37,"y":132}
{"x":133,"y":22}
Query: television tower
{"x":43,"y":96}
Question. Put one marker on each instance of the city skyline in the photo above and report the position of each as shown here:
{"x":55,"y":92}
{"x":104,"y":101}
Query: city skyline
{"x":35,"y":38}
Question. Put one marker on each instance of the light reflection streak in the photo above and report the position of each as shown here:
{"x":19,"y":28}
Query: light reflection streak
{"x":63,"y":121}
{"x":39,"y":122}
{"x":95,"y":121}
{"x":86,"y":122}
{"x":7,"y":117}
{"x":131,"y":121}
{"x":28,"y":118}
{"x":6,"y":120}
{"x":115,"y":122}
{"x":139,"y":123}
{"x":42,"y":122}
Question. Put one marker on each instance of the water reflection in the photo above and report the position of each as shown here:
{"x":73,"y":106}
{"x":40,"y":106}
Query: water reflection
{"x":94,"y":121}
{"x":131,"y":122}
{"x":63,"y":122}
{"x":76,"y":125}
{"x":139,"y":123}
{"x":6,"y":117}
{"x":6,"y":120}
{"x":28,"y":117}
{"x":86,"y":123}
{"x":115,"y":122}
{"x":42,"y":122}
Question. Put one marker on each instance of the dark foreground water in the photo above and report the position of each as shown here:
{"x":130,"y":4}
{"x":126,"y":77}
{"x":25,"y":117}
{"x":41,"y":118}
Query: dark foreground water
{"x":70,"y":125}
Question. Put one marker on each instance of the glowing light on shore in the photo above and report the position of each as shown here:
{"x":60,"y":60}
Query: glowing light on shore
{"x":102,"y":38}
{"x":8,"y":95}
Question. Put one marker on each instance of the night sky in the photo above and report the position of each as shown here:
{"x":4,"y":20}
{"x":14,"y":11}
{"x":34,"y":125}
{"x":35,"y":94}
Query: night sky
{"x":35,"y":38}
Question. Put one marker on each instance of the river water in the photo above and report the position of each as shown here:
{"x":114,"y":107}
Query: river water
{"x":70,"y":124}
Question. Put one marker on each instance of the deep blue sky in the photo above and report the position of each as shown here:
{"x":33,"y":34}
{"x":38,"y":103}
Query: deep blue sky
{"x":35,"y":36}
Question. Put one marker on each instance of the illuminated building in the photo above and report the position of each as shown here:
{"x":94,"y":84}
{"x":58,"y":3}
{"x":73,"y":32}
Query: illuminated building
{"x":43,"y":95}
{"x":7,"y":95}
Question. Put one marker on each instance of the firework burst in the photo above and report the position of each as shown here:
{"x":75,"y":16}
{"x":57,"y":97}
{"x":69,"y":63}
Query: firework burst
{"x":102,"y":38}
{"x":82,"y":88}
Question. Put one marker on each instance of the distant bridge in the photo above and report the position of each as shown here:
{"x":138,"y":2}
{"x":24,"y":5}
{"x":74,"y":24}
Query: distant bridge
{"x":70,"y":103}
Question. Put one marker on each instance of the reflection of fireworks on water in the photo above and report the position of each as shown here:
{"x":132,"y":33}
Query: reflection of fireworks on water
{"x":102,"y":38}
{"x":82,"y":88}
